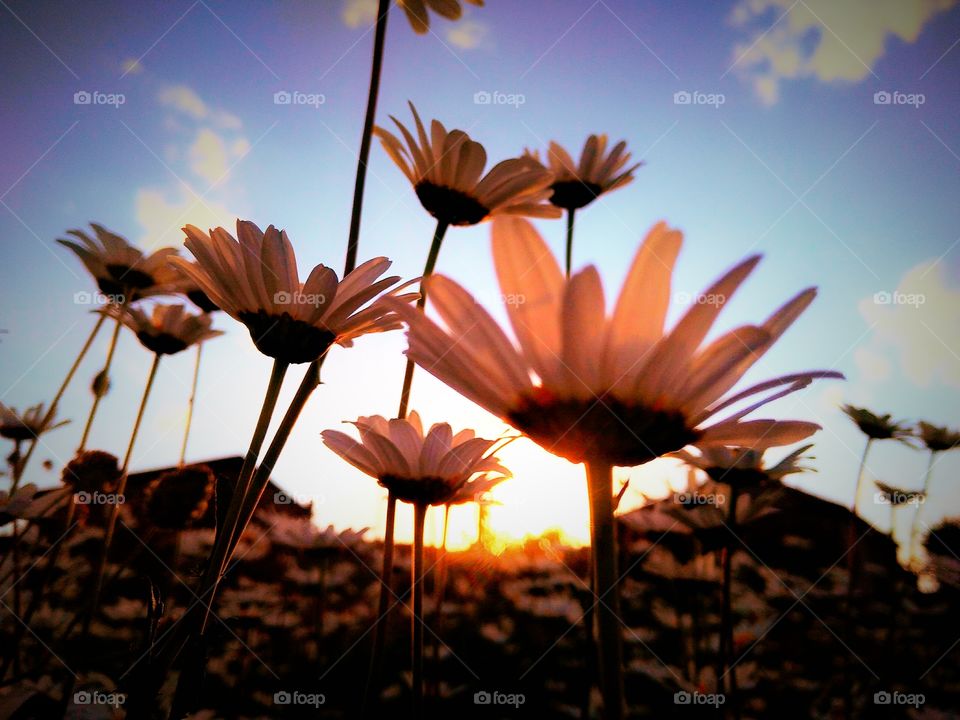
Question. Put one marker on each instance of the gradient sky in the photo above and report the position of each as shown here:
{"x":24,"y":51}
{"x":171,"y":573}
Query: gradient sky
{"x":798,"y":162}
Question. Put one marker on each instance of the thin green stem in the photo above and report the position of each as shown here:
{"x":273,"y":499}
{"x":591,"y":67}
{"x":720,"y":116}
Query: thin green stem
{"x":569,"y":255}
{"x":604,"y":547}
{"x":383,"y":609}
{"x":432,"y":256}
{"x":380,"y":33}
{"x":52,"y":410}
{"x":861,"y":471}
{"x":439,"y":592}
{"x":104,"y":377}
{"x":916,"y":516}
{"x":190,"y":404}
{"x":118,"y":499}
{"x":416,"y":628}
{"x":228,"y":532}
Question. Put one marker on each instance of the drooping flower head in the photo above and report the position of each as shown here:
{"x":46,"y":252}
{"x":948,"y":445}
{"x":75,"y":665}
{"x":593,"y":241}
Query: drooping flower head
{"x":417,"y":467}
{"x":179,"y":498}
{"x":937,"y":439}
{"x":255,"y":281}
{"x":416,"y":11}
{"x":614,"y":389}
{"x":92,"y":471}
{"x":168,"y":329}
{"x":445,"y":170}
{"x":189,"y":289}
{"x":121,"y":270}
{"x":29,"y":424}
{"x":576,"y":185}
{"x":876,"y":427}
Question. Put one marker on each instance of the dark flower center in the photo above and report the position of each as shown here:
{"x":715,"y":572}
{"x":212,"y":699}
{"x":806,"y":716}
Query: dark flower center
{"x":450,"y":206}
{"x":179,"y":498}
{"x":202,"y":301}
{"x":427,"y":490}
{"x":574,"y":194}
{"x":284,"y":338}
{"x":162,"y":344}
{"x":18,"y":432}
{"x":125,"y":279}
{"x":742,"y":478}
{"x":608,"y":431}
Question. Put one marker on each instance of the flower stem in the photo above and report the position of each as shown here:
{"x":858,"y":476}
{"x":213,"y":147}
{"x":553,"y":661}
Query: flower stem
{"x":439,"y":591}
{"x":416,"y":571}
{"x":726,"y":615}
{"x":916,"y":515}
{"x":379,"y":36}
{"x":604,"y":549}
{"x":103,"y":376}
{"x":52,"y":411}
{"x":190,"y":404}
{"x":421,"y":303}
{"x":226,"y":534}
{"x":570,"y":214}
{"x":383,"y":609}
{"x":860,"y":473}
{"x":118,"y":499}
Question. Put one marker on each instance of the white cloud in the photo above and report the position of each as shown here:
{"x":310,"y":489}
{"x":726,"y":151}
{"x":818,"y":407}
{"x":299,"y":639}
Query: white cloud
{"x":359,"y":13}
{"x":208,"y":156}
{"x":822,"y":39}
{"x":185,"y":100}
{"x":466,"y":34}
{"x":872,"y":365}
{"x":918,"y":323}
{"x":162,"y":215}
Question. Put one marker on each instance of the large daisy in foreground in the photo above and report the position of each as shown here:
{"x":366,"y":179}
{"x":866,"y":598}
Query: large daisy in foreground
{"x":616,"y":389}
{"x":255,"y":281}
{"x":445,"y":169}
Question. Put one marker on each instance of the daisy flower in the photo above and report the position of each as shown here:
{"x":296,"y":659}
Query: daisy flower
{"x":876,"y":427}
{"x":421,"y":468}
{"x":937,"y":439}
{"x":255,"y":281}
{"x":416,"y":11}
{"x":28,"y":425}
{"x":743,"y":466}
{"x":168,"y":329}
{"x":576,"y":185}
{"x":445,"y":169}
{"x":615,"y":389}
{"x":121,"y":270}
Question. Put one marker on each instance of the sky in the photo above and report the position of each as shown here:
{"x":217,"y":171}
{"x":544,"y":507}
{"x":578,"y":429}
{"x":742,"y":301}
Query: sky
{"x":824,"y":135}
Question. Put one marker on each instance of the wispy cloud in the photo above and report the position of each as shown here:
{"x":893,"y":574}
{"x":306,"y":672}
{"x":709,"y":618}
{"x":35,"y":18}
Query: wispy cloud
{"x":359,"y":13}
{"x":916,"y":324}
{"x":826,"y":40}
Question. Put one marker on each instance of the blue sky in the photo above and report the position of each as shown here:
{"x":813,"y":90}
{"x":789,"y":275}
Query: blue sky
{"x":794,"y":158}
